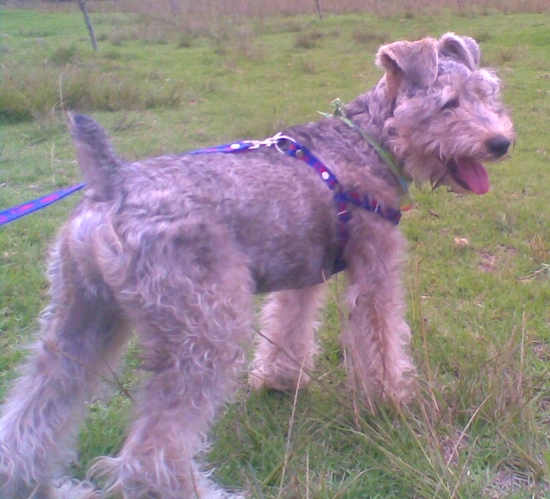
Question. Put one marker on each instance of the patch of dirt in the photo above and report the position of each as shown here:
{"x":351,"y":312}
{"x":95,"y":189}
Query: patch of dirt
{"x":451,"y":447}
{"x":508,"y":483}
{"x":505,"y":484}
{"x":496,"y":260}
{"x":542,"y":351}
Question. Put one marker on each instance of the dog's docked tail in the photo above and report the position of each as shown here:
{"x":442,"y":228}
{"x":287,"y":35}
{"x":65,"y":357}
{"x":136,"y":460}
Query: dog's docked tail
{"x":96,"y":158}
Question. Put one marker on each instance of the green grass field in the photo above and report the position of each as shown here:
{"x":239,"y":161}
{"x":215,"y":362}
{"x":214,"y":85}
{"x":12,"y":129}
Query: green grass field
{"x":478,"y":274}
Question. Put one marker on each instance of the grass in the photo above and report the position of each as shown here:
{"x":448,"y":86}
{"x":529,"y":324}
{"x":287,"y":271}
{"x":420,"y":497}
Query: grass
{"x":478,"y":274}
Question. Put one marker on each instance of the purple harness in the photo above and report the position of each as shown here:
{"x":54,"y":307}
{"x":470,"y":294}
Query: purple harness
{"x":342,"y":198}
{"x":283,"y":143}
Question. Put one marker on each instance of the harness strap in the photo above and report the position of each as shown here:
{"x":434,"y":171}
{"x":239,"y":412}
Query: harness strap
{"x":342,"y":198}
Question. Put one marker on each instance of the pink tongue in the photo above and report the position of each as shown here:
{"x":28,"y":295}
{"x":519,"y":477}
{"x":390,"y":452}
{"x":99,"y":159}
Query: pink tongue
{"x":474,"y":175}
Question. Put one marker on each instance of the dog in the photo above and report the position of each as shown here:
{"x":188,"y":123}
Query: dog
{"x":175,"y":247}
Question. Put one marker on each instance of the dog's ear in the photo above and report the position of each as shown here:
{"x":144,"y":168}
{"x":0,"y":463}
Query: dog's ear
{"x":416,"y":61}
{"x":461,"y":48}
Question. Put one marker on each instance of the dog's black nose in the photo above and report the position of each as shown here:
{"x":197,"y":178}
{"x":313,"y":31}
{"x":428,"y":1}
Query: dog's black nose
{"x":498,"y":145}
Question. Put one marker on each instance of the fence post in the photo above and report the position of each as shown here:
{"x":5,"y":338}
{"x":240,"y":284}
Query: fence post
{"x":82,"y":6}
{"x":319,"y":9}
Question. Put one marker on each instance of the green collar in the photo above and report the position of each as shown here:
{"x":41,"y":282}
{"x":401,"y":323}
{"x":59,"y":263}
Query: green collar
{"x":387,"y":158}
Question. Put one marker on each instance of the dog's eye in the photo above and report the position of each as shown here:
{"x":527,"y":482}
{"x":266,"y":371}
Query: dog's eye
{"x":451,"y":104}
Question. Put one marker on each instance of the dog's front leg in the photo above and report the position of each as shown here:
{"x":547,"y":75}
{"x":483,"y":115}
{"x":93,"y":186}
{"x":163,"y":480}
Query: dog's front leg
{"x":376,"y":337}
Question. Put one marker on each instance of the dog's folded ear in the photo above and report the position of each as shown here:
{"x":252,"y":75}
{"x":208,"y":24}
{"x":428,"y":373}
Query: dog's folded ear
{"x":415,"y":61}
{"x":461,"y":48}
{"x":95,"y":156}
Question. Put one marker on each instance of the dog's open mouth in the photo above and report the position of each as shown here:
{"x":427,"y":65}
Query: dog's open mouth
{"x":469,"y":174}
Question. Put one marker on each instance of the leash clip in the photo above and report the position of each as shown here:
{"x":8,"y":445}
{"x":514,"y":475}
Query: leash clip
{"x":255,"y":144}
{"x":278,"y":138}
{"x":270,"y":141}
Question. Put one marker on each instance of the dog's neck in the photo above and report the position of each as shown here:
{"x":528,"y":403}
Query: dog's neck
{"x":370,"y":114}
{"x":358,"y":116}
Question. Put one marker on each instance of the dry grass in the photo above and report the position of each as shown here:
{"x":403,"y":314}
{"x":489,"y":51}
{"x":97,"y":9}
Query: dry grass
{"x":368,"y":37}
{"x":27,"y":95}
{"x":198,"y":15}
{"x":201,"y":9}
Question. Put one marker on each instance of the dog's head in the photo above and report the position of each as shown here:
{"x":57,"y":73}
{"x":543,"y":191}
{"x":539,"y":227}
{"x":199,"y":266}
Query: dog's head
{"x":447,"y":117}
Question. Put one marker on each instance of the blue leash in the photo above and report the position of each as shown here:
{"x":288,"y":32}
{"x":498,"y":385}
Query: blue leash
{"x":23,"y":209}
{"x":15,"y":212}
{"x":282,"y":143}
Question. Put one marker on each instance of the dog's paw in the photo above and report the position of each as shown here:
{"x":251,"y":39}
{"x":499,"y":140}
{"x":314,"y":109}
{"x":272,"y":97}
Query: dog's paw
{"x":274,"y":379}
{"x":74,"y":489}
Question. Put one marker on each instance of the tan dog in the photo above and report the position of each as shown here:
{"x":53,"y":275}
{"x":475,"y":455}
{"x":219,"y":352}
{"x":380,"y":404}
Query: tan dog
{"x":174,"y":247}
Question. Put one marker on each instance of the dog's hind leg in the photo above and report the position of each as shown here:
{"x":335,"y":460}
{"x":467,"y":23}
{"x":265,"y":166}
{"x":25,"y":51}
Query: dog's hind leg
{"x":82,"y":333}
{"x":287,"y":346}
{"x":190,"y":299}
